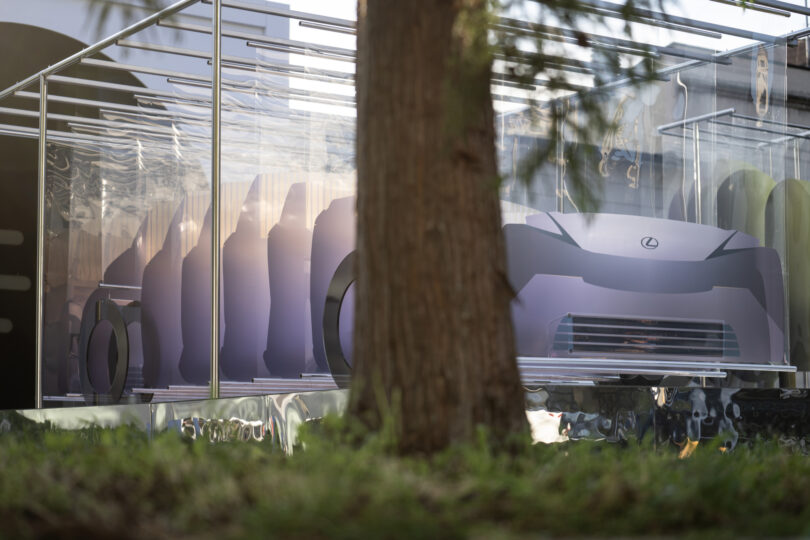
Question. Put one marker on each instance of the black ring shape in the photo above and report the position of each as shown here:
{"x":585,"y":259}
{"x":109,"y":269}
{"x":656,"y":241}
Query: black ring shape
{"x":338,"y":287}
{"x":105,"y":310}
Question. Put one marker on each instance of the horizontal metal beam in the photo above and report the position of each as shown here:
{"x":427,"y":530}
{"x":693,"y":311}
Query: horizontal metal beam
{"x":771,"y":122}
{"x":611,"y":370}
{"x":285,"y":68}
{"x":760,"y":129}
{"x":83,"y":139}
{"x":109,"y":64}
{"x":116,"y":286}
{"x":780,"y":140}
{"x":253,"y":67}
{"x":129,"y":129}
{"x":778,"y":4}
{"x":90,"y":121}
{"x":292,"y":93}
{"x":622,"y":45}
{"x":131,"y":89}
{"x":658,"y":23}
{"x":187,"y":140}
{"x":719,"y":134}
{"x":344,"y":29}
{"x":201,"y":82}
{"x":695,"y":119}
{"x":238,"y":125}
{"x":310,"y":53}
{"x":608,"y":13}
{"x":64,"y":137}
{"x":503,"y":80}
{"x":102,"y":104}
{"x":346,"y":122}
{"x":287,"y":13}
{"x":754,"y":6}
{"x":127,"y":134}
{"x":515,"y":24}
{"x":526,"y":362}
{"x":103,"y":44}
{"x":563,"y":63}
{"x":619,"y":9}
{"x":327,"y":27}
{"x":285,"y":45}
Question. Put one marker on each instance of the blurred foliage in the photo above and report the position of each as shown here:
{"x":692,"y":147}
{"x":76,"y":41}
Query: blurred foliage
{"x":130,"y":12}
{"x":99,"y":483}
{"x":545,"y":40}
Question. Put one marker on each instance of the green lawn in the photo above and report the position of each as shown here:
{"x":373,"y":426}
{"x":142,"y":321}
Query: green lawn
{"x":101,"y":483}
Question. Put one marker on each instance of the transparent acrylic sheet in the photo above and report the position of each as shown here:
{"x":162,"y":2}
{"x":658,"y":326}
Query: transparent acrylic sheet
{"x":124,"y":212}
{"x":142,"y":202}
{"x":653,"y":277}
{"x":287,"y":208}
{"x":129,"y":215}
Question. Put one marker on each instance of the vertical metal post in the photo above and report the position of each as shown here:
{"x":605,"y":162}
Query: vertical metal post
{"x":696,"y":150}
{"x":216,"y":146}
{"x":560,"y":155}
{"x":798,"y":379}
{"x":41,"y":165}
{"x":797,"y":168}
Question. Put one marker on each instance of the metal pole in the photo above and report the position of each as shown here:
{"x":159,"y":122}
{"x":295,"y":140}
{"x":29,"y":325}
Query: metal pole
{"x":755,"y":7}
{"x":41,"y":164}
{"x":695,"y":119}
{"x":560,"y":167}
{"x":797,"y":171}
{"x":216,"y":146}
{"x":696,"y":150}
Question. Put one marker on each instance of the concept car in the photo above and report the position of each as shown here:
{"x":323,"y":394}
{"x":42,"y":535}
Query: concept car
{"x":629,"y":287}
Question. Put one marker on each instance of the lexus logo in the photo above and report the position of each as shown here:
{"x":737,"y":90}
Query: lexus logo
{"x":649,"y":242}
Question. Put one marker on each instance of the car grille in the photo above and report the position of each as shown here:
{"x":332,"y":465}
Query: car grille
{"x":579,"y":335}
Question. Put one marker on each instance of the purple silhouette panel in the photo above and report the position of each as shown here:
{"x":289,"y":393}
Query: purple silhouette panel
{"x":333,"y":238}
{"x":195,"y":315}
{"x":160,"y":310}
{"x":288,"y":250}
{"x":246,"y":291}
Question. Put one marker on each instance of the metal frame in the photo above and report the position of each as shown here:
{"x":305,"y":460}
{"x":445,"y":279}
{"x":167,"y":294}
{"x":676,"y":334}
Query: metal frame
{"x":216,"y":170}
{"x":779,"y":4}
{"x":755,"y":7}
{"x":40,"y":292}
{"x":217,"y":61}
{"x":669,"y":366}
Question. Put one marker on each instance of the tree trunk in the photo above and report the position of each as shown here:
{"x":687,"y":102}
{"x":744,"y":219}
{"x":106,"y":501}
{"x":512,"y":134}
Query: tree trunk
{"x":434,"y":347}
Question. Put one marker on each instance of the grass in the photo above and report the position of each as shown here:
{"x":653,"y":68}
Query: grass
{"x":115,"y":483}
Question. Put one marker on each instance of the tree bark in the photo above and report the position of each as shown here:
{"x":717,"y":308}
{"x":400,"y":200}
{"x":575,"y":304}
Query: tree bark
{"x":434,"y":349}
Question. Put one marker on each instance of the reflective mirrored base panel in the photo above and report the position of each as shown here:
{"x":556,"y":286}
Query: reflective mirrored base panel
{"x":668,"y":416}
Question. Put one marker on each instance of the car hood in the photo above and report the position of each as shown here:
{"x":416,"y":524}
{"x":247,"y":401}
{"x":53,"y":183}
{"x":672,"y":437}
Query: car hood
{"x":641,"y":237}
